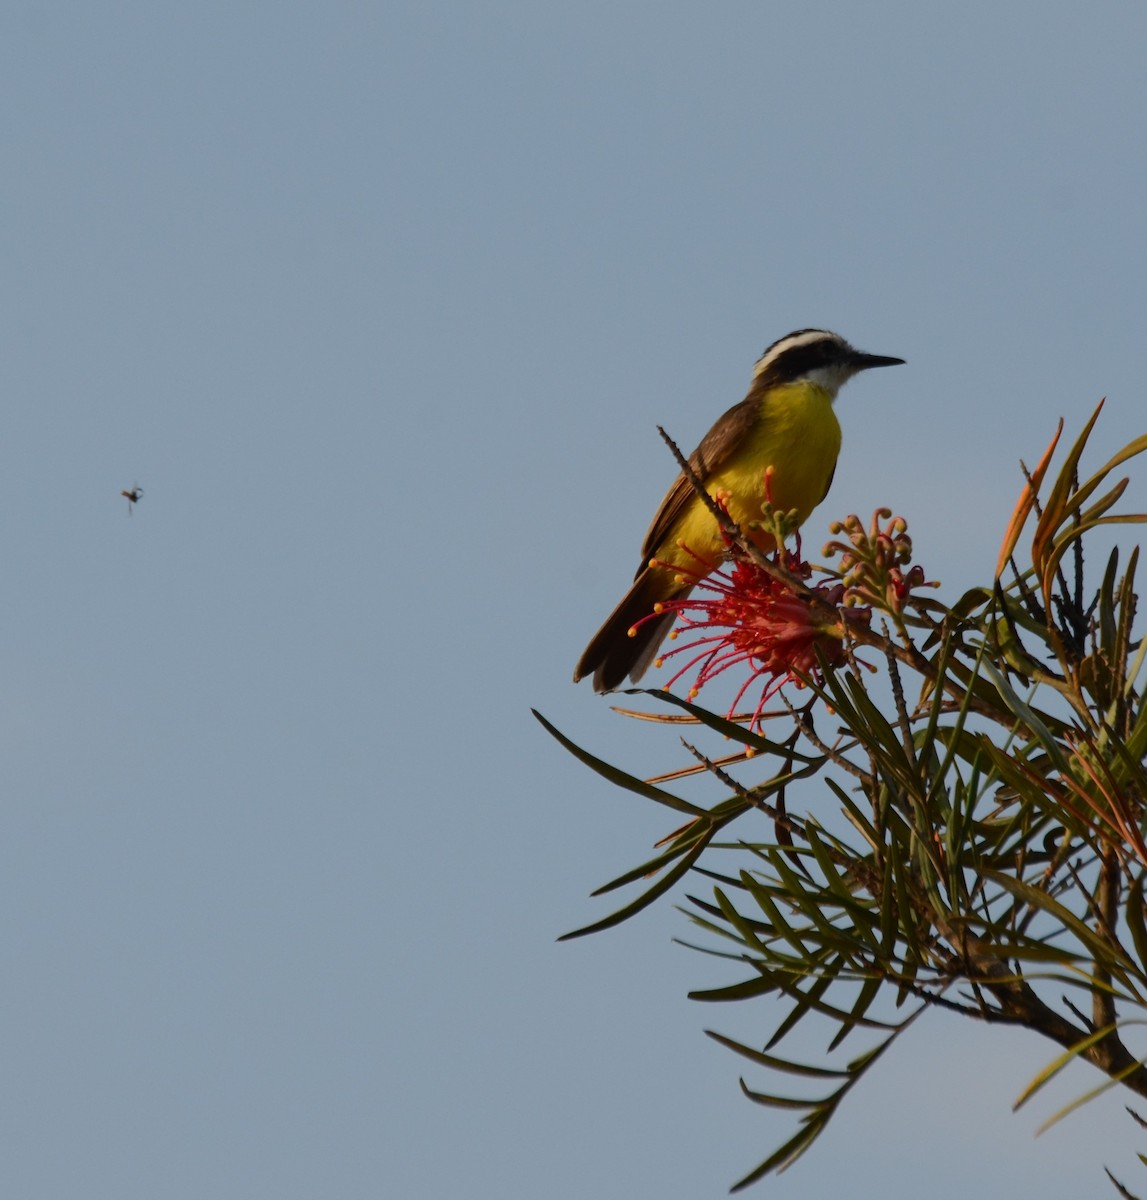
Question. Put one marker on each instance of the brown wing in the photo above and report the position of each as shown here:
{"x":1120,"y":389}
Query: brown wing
{"x":828,"y":485}
{"x":727,"y":433}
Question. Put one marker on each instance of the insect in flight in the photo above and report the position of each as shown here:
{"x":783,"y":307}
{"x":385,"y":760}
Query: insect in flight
{"x":132,"y":495}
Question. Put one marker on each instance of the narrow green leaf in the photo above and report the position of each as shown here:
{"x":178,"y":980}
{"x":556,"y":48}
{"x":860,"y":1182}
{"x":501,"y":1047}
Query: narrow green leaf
{"x":1106,"y":501}
{"x":1087,"y":1097}
{"x":803,"y":1003}
{"x":875,"y":730}
{"x":768,"y":906}
{"x":843,"y":895}
{"x":815,"y":1121}
{"x":783,"y":1157}
{"x":806,"y":1002}
{"x":1025,"y":713}
{"x":854,"y":814}
{"x":772,"y":1062}
{"x":624,"y":780}
{"x":722,"y":725}
{"x":1118,"y":1186}
{"x":1100,"y":948}
{"x":746,"y":930}
{"x":869,"y":990}
{"x":653,"y":866}
{"x":1136,"y":921}
{"x":1137,"y":446}
{"x":1057,"y":1064}
{"x":771,"y":1101}
{"x":813,"y":902}
{"x":1055,"y":505}
{"x":1028,"y":950}
{"x":903,"y":878}
{"x":747,"y":989}
{"x":970,"y":601}
{"x":643,"y":901}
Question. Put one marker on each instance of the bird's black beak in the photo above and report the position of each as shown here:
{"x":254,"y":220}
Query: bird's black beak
{"x":861,"y":362}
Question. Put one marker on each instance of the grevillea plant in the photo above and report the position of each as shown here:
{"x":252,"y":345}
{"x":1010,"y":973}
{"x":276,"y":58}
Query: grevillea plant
{"x":944,"y":803}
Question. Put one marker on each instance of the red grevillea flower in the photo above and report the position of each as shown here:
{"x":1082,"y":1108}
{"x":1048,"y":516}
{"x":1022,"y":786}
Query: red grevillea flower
{"x":749,"y":619}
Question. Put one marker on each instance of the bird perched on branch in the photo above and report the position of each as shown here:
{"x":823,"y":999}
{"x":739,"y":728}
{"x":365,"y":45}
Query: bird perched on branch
{"x":784,"y":429}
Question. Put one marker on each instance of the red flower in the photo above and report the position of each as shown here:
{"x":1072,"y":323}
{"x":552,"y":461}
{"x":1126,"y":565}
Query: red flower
{"x":755,"y":620}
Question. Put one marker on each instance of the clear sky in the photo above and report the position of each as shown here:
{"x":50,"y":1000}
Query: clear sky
{"x":380,"y":304}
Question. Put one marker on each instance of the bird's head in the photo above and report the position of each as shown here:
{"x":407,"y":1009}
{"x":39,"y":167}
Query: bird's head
{"x":818,"y":356}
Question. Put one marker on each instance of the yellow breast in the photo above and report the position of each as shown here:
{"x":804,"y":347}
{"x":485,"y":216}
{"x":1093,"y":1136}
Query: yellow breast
{"x":798,"y":435}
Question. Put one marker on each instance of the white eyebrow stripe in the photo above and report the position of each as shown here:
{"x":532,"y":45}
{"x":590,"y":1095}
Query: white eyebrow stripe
{"x":803,"y":337}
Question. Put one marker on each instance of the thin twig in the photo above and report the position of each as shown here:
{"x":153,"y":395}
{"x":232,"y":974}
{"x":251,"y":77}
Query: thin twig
{"x":867,"y":781}
{"x":792,"y":824}
{"x":901,"y":708}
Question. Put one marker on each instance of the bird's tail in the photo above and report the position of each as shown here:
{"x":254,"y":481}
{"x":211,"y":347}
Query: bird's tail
{"x":614,"y":653}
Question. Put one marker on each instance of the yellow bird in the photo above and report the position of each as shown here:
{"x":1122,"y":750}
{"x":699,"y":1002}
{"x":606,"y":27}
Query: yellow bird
{"x":785,"y":425}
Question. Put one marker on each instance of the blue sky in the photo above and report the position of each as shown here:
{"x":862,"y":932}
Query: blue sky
{"x":381,"y":304}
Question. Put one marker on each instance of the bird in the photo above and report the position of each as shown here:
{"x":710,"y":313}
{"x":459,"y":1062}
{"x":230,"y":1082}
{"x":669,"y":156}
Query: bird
{"x":786,"y":426}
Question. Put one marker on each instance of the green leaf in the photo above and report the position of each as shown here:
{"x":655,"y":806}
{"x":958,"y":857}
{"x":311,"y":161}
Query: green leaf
{"x":1055,"y":506}
{"x":1026,"y":714}
{"x":643,"y":901}
{"x":1088,"y":1096}
{"x":773,"y":1063}
{"x":1137,"y":446}
{"x":815,"y":1121}
{"x":786,"y":1155}
{"x":722,"y":725}
{"x":1136,"y":923}
{"x":654,"y":865}
{"x":813,"y":903}
{"x":624,"y":780}
{"x":973,"y":599}
{"x":771,"y":1101}
{"x":855,"y":815}
{"x":761,"y":895}
{"x":843,"y":895}
{"x":803,"y":1004}
{"x":869,"y":990}
{"x":747,"y":989}
{"x":1084,"y":492}
{"x":745,"y":929}
{"x":1057,"y":1064}
{"x":1101,"y":949}
{"x":1118,"y":1186}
